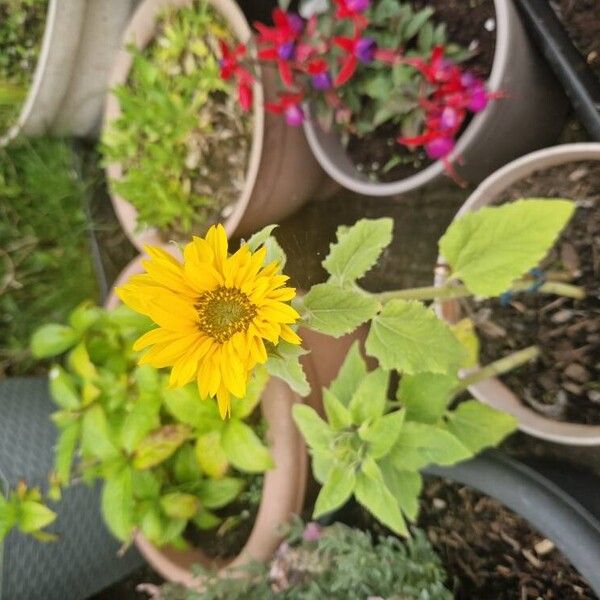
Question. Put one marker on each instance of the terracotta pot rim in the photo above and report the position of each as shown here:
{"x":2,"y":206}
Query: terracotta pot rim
{"x":140,"y":32}
{"x":493,"y":391}
{"x":360,"y":184}
{"x":290,"y":473}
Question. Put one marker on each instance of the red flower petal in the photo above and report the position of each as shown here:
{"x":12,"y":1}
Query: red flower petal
{"x":285,"y":72}
{"x":245,"y":96}
{"x":345,"y":43}
{"x":268,"y":54}
{"x":346,"y":71}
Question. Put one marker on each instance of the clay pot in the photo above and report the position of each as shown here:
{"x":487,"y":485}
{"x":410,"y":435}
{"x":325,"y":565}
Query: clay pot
{"x":493,"y":391}
{"x":282,"y":174}
{"x":530,"y":117}
{"x":283,"y":488}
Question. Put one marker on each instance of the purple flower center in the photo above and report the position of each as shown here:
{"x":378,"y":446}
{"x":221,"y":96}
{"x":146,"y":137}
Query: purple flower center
{"x":358,"y":5}
{"x":439,"y":147}
{"x":322,"y":81}
{"x":294,"y":115}
{"x":286,"y":51}
{"x":365,"y":50}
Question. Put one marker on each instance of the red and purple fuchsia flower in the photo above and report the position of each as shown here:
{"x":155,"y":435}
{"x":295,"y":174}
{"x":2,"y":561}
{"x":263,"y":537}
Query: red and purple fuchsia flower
{"x":231,"y":67}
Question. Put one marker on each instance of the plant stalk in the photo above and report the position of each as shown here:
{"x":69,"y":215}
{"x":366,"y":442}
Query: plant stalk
{"x":499,"y":367}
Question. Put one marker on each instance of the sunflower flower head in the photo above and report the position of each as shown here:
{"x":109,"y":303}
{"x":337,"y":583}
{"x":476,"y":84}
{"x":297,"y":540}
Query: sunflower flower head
{"x":214,"y":314}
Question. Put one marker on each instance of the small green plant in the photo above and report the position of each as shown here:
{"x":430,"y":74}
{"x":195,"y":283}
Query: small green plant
{"x":166,"y":457}
{"x":181,"y":139}
{"x":22,"y":25}
{"x":44,"y":248}
{"x":337,"y":563}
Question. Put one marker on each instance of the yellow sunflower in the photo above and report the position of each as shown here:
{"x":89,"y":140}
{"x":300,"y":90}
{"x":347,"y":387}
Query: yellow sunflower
{"x":214,"y":313}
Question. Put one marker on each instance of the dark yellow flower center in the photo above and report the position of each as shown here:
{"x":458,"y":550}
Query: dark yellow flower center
{"x":223,"y":312}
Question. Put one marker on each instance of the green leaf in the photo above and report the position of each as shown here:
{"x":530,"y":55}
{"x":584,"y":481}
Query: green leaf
{"x":146,"y":484}
{"x":218,"y":493}
{"x":419,"y":445}
{"x":408,"y":337}
{"x":244,"y":407}
{"x":79,"y":361}
{"x":358,"y":248}
{"x":351,"y":373}
{"x":490,"y":248}
{"x":336,"y":311}
{"x":210,"y":454}
{"x":426,"y":395}
{"x":140,"y":421}
{"x":314,"y":430}
{"x":368,"y":402}
{"x":260,"y":237}
{"x":33,"y":516}
{"x":84,"y":316}
{"x":152,"y":524}
{"x":187,"y":407}
{"x":178,"y":505}
{"x":8,"y":517}
{"x":63,"y":389}
{"x":405,"y":486}
{"x":117,"y":504}
{"x":275,"y":253}
{"x":464,"y":330}
{"x":321,"y":465}
{"x":284,"y":363}
{"x":52,"y":339}
{"x":372,"y":493}
{"x":413,"y":26}
{"x":159,"y":445}
{"x":96,"y":439}
{"x":147,"y":379}
{"x":382,"y":434}
{"x":478,"y":426}
{"x":338,"y":415}
{"x":243,"y":448}
{"x":65,"y":450}
{"x":206,"y":520}
{"x":336,"y":491}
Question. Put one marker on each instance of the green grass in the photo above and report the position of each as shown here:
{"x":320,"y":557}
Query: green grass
{"x":45,"y":265}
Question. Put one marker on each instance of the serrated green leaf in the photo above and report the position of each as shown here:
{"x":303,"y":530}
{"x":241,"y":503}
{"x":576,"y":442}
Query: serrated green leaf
{"x":321,"y":465}
{"x":314,"y":430}
{"x":260,"y":237}
{"x":218,"y":493}
{"x":351,"y":373}
{"x":368,"y":402}
{"x":117,"y":504}
{"x":244,"y":407}
{"x":338,"y":415}
{"x":156,"y":447}
{"x":96,"y":439}
{"x":63,"y":389}
{"x":51,"y":340}
{"x":358,"y":248}
{"x":336,"y":311}
{"x":65,"y":450}
{"x":426,"y":395}
{"x":479,"y":426}
{"x":243,"y":448}
{"x":406,"y":487}
{"x":286,"y":366}
{"x":178,"y":505}
{"x":491,"y":248}
{"x":382,"y":434}
{"x":33,"y":516}
{"x":372,"y":493}
{"x":210,"y":455}
{"x":336,"y":491}
{"x":464,"y":330}
{"x":419,"y":445}
{"x":275,"y":253}
{"x":408,"y":337}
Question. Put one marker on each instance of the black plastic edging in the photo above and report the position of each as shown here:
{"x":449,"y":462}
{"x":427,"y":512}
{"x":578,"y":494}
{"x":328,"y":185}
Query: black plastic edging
{"x":577,"y":78}
{"x":550,"y":510}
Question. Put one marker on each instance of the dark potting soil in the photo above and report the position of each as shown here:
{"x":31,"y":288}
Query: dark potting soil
{"x":564,"y":383}
{"x":581,"y":18}
{"x":470,"y":24}
{"x":489,"y":552}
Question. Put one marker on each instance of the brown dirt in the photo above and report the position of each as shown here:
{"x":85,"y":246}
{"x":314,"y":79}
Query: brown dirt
{"x":492,"y":553}
{"x":582,"y":21}
{"x":564,"y":383}
{"x":466,"y":26}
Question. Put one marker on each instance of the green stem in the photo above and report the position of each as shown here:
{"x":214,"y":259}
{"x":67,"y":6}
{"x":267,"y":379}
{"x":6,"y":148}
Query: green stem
{"x":453,"y":292}
{"x":498,"y":367}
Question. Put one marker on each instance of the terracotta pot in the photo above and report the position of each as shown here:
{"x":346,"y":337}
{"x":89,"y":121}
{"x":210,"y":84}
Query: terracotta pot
{"x":493,"y":391}
{"x":283,"y":488}
{"x":53,"y":70}
{"x":282,"y":173}
{"x":530,"y":117}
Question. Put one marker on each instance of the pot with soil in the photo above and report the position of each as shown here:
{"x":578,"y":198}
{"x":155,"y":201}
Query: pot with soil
{"x":531,"y":103}
{"x":38,"y":49}
{"x":214,"y":163}
{"x":555,"y":398}
{"x":268,"y":503}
